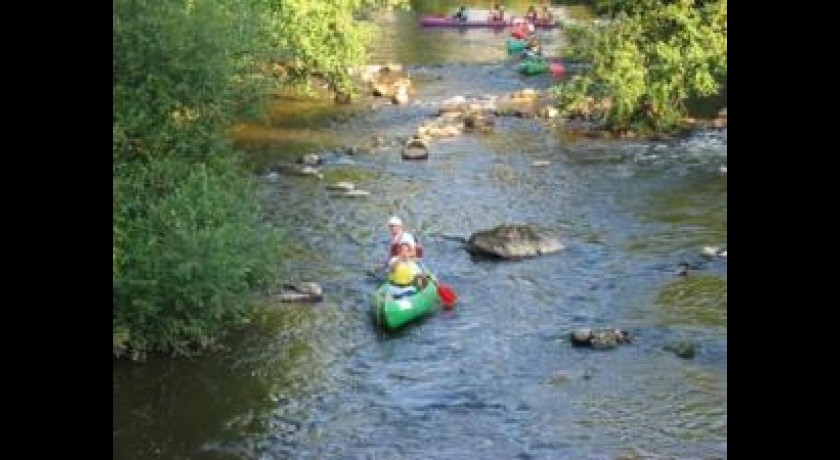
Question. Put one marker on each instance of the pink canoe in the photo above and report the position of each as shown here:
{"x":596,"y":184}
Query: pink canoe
{"x":447,"y":21}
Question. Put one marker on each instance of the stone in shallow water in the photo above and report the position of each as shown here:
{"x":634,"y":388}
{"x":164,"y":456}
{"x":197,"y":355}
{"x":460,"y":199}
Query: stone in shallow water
{"x":355,"y":193}
{"x":311,"y":159}
{"x":305,"y":291}
{"x":558,"y":377}
{"x":604,"y":338}
{"x":714,"y":252}
{"x":581,"y":336}
{"x":415,"y":149}
{"x":346,"y":186}
{"x":310,"y":171}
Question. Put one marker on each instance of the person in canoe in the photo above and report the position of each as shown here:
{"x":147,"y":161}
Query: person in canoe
{"x":547,"y":16}
{"x":533,"y":50}
{"x":406,"y":275}
{"x":405,"y":252}
{"x":521,"y":28}
{"x":400,"y":235}
{"x":405,"y":256}
{"x":497,"y":12}
{"x":531,"y":14}
{"x":461,"y":14}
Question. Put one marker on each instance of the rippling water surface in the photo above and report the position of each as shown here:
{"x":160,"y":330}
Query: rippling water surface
{"x":497,"y":377}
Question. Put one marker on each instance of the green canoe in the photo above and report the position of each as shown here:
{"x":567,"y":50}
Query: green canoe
{"x":390,"y":313}
{"x":533,"y":66}
{"x":515,"y":46}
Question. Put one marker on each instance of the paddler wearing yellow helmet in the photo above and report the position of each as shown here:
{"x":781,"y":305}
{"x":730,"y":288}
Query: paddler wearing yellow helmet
{"x":402,"y":274}
{"x":402,"y":278}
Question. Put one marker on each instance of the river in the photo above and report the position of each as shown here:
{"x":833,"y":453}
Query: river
{"x":497,"y":378}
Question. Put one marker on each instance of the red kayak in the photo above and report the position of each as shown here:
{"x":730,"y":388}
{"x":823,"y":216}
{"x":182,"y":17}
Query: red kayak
{"x":519,"y":32}
{"x":447,"y":21}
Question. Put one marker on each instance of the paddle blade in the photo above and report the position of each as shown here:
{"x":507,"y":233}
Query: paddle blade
{"x":447,"y":295}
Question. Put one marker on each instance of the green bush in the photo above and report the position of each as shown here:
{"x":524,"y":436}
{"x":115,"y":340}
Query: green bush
{"x":647,"y":61}
{"x":188,"y":243}
{"x":328,"y":45}
{"x":191,"y":247}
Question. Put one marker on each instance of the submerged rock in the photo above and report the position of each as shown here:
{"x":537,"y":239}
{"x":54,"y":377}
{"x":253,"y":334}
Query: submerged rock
{"x":683,"y":349}
{"x":558,"y":377}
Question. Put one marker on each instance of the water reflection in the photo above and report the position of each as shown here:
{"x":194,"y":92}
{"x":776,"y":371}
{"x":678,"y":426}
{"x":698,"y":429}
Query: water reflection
{"x":167,"y":409}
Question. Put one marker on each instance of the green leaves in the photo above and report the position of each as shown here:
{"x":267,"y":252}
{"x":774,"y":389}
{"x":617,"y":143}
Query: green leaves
{"x":321,"y":38}
{"x":189,"y":244}
{"x":649,"y":60}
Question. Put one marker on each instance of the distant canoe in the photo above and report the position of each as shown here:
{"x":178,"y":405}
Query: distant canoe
{"x":533,"y":66}
{"x":515,"y":46}
{"x":389,"y":313}
{"x":448,"y":21}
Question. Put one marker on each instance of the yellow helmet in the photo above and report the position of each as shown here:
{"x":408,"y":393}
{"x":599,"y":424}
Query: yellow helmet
{"x":401,"y":274}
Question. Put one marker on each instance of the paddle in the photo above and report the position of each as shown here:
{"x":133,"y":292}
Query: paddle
{"x":447,"y":295}
{"x":376,"y":271}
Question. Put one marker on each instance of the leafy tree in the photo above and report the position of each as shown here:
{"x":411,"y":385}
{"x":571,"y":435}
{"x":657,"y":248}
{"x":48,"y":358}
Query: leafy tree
{"x":323,"y":38}
{"x":647,"y":62}
{"x":189,"y":243}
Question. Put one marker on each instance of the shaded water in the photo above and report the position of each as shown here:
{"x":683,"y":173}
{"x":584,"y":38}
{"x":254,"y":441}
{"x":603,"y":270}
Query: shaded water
{"x":496,"y":378}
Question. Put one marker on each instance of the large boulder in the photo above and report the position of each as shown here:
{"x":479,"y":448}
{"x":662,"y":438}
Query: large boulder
{"x":513,"y":242}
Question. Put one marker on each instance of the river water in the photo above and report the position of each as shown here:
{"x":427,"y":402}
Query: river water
{"x":497,"y":378}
